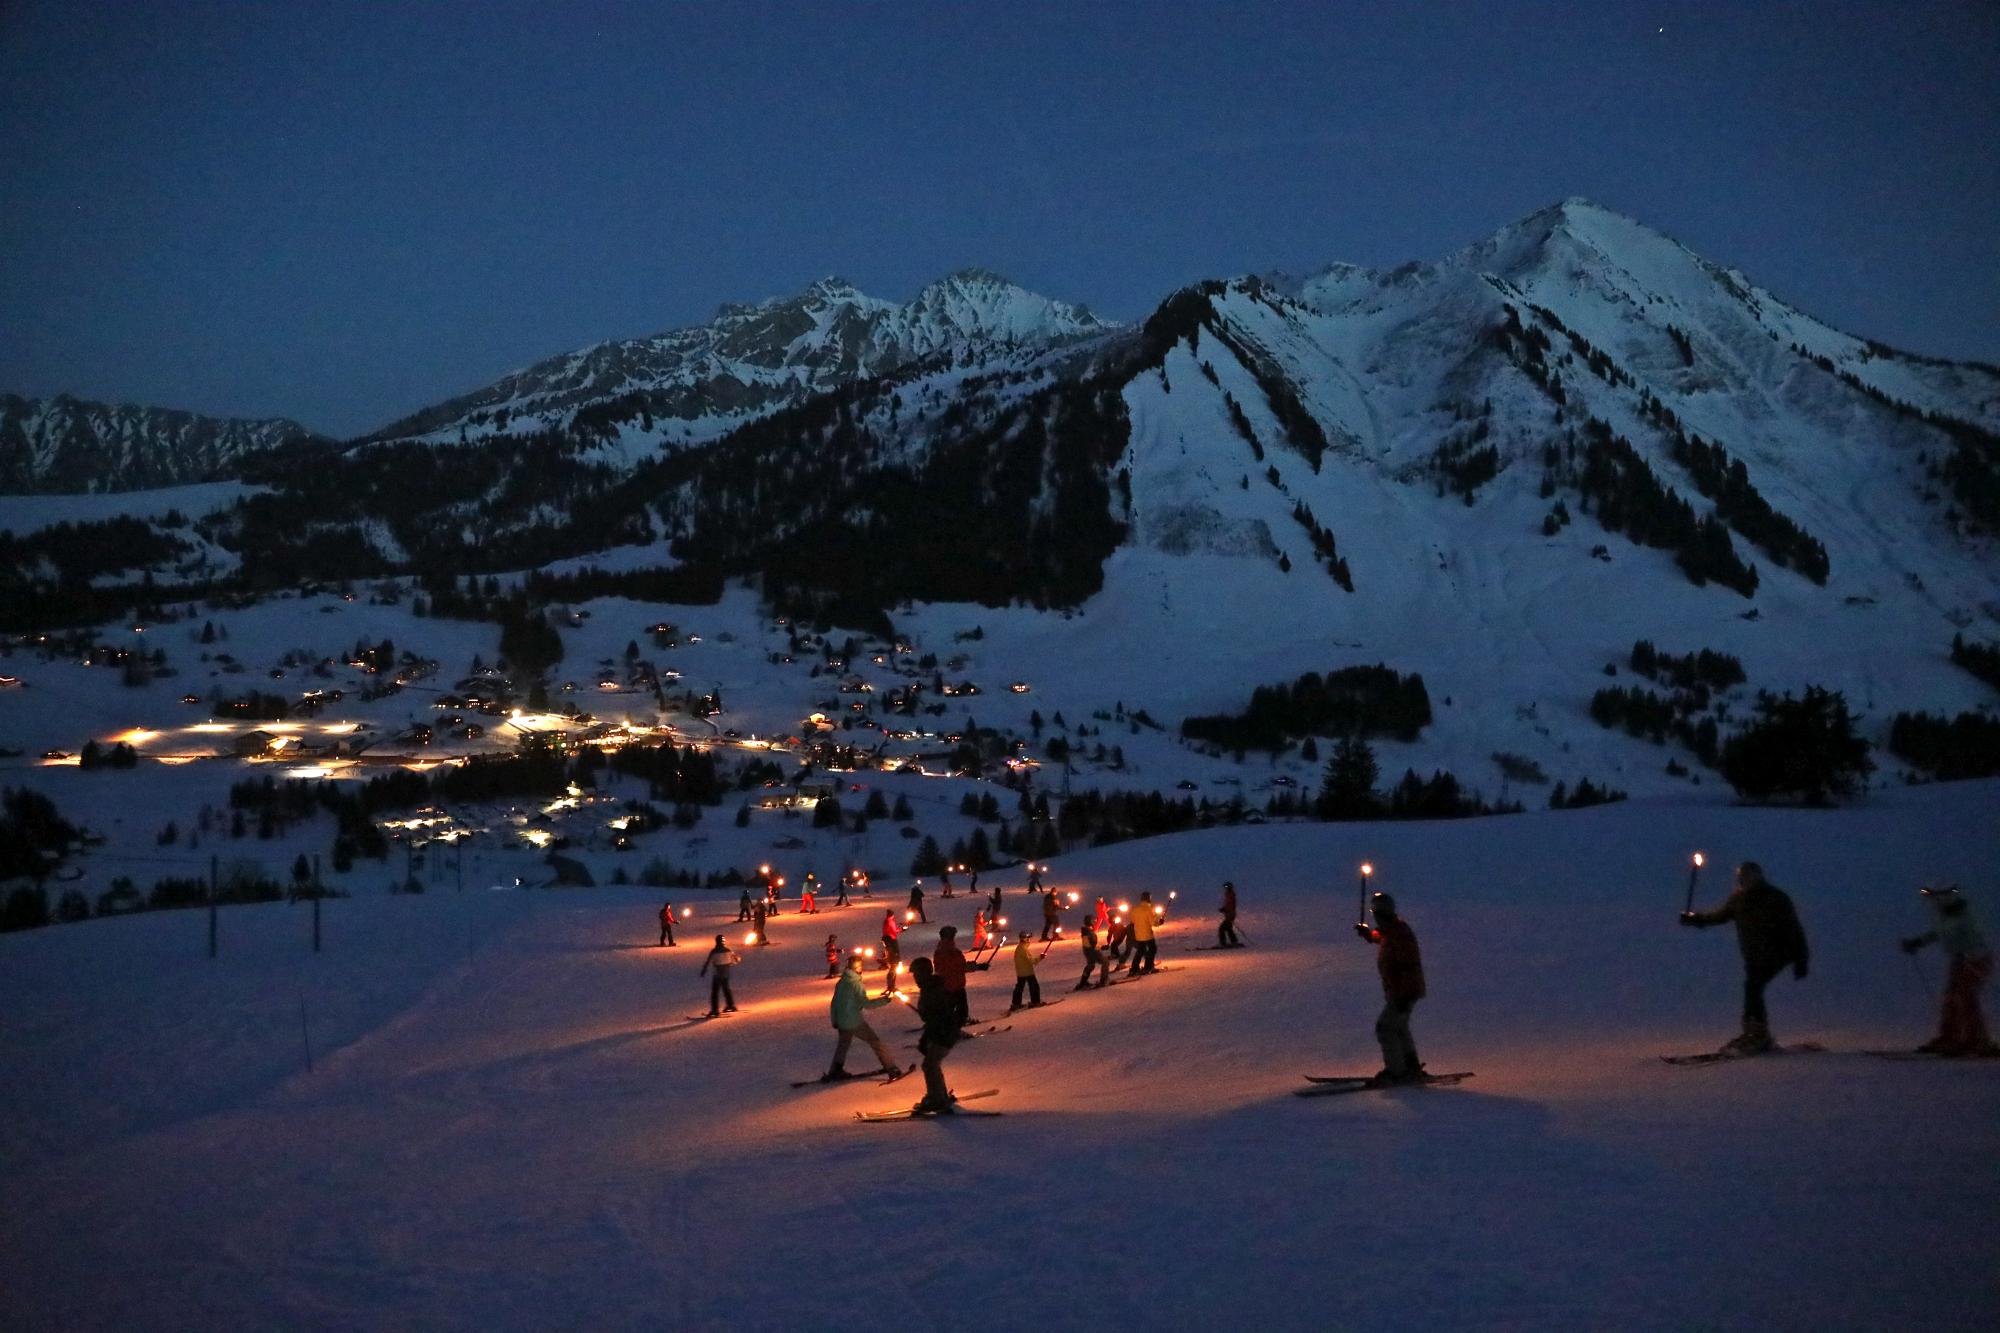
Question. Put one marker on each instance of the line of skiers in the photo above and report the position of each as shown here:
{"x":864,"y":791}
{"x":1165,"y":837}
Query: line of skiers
{"x":1770,"y":939}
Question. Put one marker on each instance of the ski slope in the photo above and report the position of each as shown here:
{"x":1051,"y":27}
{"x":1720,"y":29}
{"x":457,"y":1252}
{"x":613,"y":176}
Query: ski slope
{"x":509,"y":1122}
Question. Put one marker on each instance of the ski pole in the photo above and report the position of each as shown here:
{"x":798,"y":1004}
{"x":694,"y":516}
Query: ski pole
{"x":1694,"y":873}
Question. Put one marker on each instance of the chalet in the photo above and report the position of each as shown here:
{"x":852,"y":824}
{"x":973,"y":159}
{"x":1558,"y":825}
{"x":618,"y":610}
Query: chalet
{"x":252,"y":744}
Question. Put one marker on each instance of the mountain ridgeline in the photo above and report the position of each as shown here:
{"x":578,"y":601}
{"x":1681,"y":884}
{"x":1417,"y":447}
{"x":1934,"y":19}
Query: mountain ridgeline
{"x":1576,"y":387}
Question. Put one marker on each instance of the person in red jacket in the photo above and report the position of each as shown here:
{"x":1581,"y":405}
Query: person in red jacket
{"x":949,"y":963}
{"x":892,"y":953}
{"x":1402,"y":968}
{"x":667,"y":927}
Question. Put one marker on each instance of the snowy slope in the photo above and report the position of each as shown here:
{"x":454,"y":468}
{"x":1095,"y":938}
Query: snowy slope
{"x":64,"y":444}
{"x":693,"y":385}
{"x":509,"y":1122}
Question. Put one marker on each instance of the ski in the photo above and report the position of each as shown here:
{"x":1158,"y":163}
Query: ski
{"x":911,"y":1113}
{"x":1726,"y":1056}
{"x":703,"y":1018}
{"x":1045,"y":1004}
{"x":1211,"y":948}
{"x":1333,"y":1087}
{"x":1924,"y":1056}
{"x":1140,"y":976}
{"x":872,"y":1075}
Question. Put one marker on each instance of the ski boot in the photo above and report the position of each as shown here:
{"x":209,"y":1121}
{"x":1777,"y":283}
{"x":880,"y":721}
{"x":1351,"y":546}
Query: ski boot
{"x":1755,"y":1039}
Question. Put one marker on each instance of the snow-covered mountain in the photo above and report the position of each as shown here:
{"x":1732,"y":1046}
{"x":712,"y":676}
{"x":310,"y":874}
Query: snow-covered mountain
{"x":693,"y":385}
{"x":68,"y":445}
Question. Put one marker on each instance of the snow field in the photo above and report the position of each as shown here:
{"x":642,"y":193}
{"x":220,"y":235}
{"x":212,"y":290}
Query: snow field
{"x":527,"y":1131}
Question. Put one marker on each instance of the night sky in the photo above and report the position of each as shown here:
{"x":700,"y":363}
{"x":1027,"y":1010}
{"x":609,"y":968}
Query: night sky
{"x":340,"y":213}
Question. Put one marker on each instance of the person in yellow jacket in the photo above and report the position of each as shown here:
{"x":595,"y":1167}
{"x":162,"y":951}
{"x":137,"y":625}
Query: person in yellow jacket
{"x":1024,"y":975}
{"x":1145,"y":949}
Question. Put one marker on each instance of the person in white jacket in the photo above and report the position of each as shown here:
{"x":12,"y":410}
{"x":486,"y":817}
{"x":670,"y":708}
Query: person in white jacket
{"x":720,"y":959}
{"x":1961,"y":1024}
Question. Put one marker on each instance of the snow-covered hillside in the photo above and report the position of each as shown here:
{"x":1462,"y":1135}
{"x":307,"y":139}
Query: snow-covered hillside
{"x":694,"y":385}
{"x":510,"y":1121}
{"x":63,"y":444}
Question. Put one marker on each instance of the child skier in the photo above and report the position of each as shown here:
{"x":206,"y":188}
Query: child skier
{"x":1093,"y":957}
{"x":667,"y":927}
{"x":1401,"y":966}
{"x":1961,"y":1024}
{"x":720,"y":959}
{"x":833,"y":955}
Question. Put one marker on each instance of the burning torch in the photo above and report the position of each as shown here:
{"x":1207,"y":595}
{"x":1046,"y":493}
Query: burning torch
{"x":1694,"y":873}
{"x":1361,"y":896}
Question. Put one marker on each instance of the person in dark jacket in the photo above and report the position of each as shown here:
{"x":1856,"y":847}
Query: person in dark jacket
{"x":1771,"y":939}
{"x":1401,"y":966}
{"x":743,"y":906}
{"x":1051,"y":916}
{"x":917,"y":901}
{"x":1225,"y":935}
{"x":948,"y":961}
{"x":939,"y":1014}
{"x":1093,"y":958}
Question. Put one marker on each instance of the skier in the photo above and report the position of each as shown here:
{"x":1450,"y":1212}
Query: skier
{"x":993,"y":906}
{"x":667,"y":927}
{"x":760,"y":923}
{"x":833,"y":955}
{"x":1034,"y":878}
{"x":979,"y":932}
{"x":850,"y":1000}
{"x":946,"y":877}
{"x":840,"y":898}
{"x":1119,"y":937}
{"x":743,"y":906}
{"x":1145,"y":949}
{"x":1770,"y":937}
{"x":972,"y":883}
{"x":721,"y":960}
{"x":940,"y":1019}
{"x":771,"y":896}
{"x":1093,"y":957}
{"x":917,"y":901}
{"x":1225,"y":935}
{"x":1401,"y":966}
{"x":949,"y":963}
{"x":1103,"y":920}
{"x":892,"y":953}
{"x":1961,"y":1025}
{"x":1051,"y":916}
{"x":1024,"y":975}
{"x":806,"y":903}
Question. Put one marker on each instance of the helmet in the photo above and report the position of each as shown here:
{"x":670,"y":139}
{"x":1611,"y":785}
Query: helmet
{"x":1383,"y":904}
{"x":947,"y":932}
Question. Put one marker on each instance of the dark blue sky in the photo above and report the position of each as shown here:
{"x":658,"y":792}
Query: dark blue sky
{"x":343,"y":212}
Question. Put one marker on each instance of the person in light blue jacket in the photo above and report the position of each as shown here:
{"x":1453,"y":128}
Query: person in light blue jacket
{"x":850,"y":1003}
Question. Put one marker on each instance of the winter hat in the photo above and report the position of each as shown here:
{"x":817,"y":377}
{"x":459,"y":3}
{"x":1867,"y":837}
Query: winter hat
{"x":1384,"y":903}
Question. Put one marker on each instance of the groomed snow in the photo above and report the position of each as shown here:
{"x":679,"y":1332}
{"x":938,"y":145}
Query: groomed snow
{"x":510,"y":1125}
